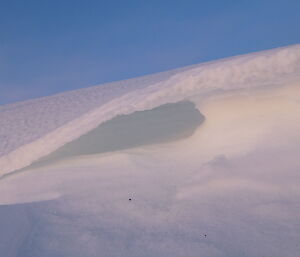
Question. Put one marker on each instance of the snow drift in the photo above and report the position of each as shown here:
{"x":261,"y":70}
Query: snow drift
{"x":32,"y":129}
{"x":200,"y":161}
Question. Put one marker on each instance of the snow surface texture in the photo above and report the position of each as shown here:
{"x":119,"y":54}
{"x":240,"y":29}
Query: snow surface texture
{"x":228,"y":187}
{"x":33,"y":129}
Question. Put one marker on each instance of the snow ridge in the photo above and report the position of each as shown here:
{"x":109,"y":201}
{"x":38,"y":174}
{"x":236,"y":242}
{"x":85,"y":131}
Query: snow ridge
{"x":32,"y":129}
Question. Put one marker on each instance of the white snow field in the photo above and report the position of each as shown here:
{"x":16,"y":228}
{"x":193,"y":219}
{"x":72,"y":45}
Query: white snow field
{"x":202,"y":161}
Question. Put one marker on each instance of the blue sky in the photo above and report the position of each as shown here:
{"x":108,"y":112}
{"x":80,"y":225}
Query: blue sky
{"x":52,"y":46}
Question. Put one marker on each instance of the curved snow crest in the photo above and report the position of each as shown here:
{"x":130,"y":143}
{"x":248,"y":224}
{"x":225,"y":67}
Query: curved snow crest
{"x":272,"y":67}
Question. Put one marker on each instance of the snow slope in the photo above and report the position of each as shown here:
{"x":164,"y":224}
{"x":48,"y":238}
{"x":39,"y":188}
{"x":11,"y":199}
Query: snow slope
{"x":200,"y":161}
{"x":32,"y":129}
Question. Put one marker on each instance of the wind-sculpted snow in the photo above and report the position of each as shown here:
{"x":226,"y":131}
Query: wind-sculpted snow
{"x":32,"y":129}
{"x":230,"y":189}
{"x":202,"y":161}
{"x":165,"y":123}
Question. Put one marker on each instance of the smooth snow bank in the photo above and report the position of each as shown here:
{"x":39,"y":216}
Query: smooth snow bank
{"x":33,"y":129}
{"x":230,"y":189}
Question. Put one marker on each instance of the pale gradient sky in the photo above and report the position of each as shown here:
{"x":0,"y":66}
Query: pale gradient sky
{"x":53,"y":46}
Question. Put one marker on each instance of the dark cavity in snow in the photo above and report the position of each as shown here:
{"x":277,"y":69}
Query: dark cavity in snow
{"x":162,"y":124}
